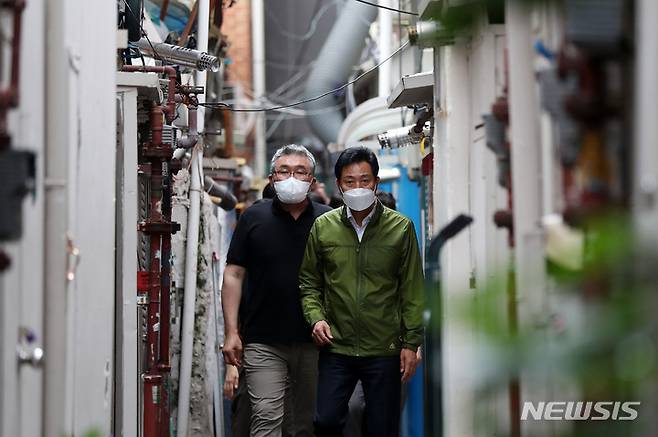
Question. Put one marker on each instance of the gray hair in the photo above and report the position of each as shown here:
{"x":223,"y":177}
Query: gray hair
{"x":293,"y":149}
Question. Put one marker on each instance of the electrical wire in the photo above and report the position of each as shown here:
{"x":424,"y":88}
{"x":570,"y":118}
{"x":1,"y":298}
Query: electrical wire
{"x":311,"y":99}
{"x":386,"y":7}
{"x":143,"y":31}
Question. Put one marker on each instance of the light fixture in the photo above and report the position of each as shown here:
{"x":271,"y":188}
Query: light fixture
{"x":179,"y":55}
{"x":405,"y":136}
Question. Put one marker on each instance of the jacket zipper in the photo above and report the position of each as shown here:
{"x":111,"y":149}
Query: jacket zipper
{"x":358,"y":294}
{"x":359,"y":265}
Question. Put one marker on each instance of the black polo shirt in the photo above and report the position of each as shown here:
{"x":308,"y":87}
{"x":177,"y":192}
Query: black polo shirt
{"x":269,"y":243}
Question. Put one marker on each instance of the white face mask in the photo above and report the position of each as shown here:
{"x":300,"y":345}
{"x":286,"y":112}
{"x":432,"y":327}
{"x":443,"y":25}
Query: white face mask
{"x":358,"y":199}
{"x":291,"y":190}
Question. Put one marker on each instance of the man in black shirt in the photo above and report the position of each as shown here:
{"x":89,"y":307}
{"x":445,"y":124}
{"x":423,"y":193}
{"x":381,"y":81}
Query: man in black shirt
{"x":267,"y":250}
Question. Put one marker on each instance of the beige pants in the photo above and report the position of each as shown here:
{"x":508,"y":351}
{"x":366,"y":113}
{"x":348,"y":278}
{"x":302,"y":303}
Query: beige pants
{"x":273,"y":370}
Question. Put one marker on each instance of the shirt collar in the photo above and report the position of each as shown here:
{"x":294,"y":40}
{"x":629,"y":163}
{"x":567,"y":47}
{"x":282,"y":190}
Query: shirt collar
{"x":367,"y":218}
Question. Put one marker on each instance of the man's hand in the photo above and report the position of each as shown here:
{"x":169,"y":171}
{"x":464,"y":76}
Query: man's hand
{"x":231,"y":382}
{"x":232,"y":350}
{"x":408,"y":363}
{"x":322,"y":333}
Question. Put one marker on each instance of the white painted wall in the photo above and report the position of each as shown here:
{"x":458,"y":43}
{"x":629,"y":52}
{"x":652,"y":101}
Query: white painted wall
{"x":126,"y":371}
{"x":470,"y":77}
{"x":94,"y":212}
{"x":21,"y":291}
{"x":451,"y":198}
{"x":80,"y":132}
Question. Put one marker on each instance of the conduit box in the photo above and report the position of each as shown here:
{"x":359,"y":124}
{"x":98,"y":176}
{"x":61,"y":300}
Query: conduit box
{"x":412,"y":89}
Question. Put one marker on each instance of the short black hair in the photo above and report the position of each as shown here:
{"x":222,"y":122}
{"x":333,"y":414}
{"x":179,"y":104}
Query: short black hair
{"x":354,"y":155}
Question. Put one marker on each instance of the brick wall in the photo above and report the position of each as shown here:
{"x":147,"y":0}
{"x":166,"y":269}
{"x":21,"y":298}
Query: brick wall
{"x":237,"y":27}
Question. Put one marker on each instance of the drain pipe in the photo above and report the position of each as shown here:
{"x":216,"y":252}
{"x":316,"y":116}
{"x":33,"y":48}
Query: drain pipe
{"x":9,"y":94}
{"x":385,"y":47}
{"x":530,"y":274}
{"x":227,"y":201}
{"x":334,"y":65}
{"x":192,"y":245}
{"x":259,"y":83}
{"x":164,"y":364}
{"x":200,"y":77}
{"x":189,"y":301}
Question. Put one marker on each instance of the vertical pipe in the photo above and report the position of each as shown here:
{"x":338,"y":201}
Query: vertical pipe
{"x":191,"y":253}
{"x":153,"y":378}
{"x":526,"y":159}
{"x":452,"y":197}
{"x":164,"y":365}
{"x":258,"y":61}
{"x":645,"y":171}
{"x":56,"y":161}
{"x":526,"y":179}
{"x":200,"y":77}
{"x":385,"y":36}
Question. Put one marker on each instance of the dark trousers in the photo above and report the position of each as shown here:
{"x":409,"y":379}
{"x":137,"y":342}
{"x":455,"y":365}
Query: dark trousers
{"x":338,"y":375}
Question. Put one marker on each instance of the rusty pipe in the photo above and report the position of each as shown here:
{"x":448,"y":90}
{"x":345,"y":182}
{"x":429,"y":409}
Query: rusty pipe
{"x":164,"y":365}
{"x":9,"y":95}
{"x":169,"y":108}
{"x":163,"y":10}
{"x":227,"y":119}
{"x":156,"y":125}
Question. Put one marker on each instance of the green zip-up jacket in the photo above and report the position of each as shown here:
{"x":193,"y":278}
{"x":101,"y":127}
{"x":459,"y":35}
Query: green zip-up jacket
{"x":370,"y":293}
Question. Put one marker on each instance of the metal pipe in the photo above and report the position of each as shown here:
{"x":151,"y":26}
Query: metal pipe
{"x":189,"y":299}
{"x":385,"y":36}
{"x":227,"y":199}
{"x":133,"y":17}
{"x":163,"y":10}
{"x":526,"y":158}
{"x":197,"y":59}
{"x":645,"y":166}
{"x":59,"y":135}
{"x":152,"y":378}
{"x":200,"y":77}
{"x":192,"y":135}
{"x":259,"y":87}
{"x":164,"y":365}
{"x":188,"y":26}
{"x":530,"y":274}
{"x":9,"y":95}
{"x":227,"y":122}
{"x":170,"y":107}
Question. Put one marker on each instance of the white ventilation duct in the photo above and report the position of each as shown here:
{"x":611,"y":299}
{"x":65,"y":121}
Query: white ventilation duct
{"x":334,"y":65}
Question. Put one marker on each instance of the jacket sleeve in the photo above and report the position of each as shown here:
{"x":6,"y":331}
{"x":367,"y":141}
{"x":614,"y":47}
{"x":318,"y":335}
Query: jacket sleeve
{"x":411,"y":291}
{"x":311,"y":281}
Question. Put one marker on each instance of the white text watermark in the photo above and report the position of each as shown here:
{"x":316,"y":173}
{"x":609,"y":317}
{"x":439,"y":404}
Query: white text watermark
{"x":579,"y":410}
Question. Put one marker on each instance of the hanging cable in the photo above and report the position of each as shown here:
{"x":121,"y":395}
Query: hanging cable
{"x":311,"y":99}
{"x":138,"y":19}
{"x":386,"y":7}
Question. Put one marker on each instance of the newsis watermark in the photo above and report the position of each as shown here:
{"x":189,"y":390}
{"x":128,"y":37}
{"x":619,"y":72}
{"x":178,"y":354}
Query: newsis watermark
{"x":579,"y":410}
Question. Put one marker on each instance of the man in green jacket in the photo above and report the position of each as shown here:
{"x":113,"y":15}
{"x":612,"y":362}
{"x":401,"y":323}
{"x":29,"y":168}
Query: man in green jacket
{"x":361,"y":284}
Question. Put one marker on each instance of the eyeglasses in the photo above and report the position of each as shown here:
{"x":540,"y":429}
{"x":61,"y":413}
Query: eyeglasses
{"x":285,"y":173}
